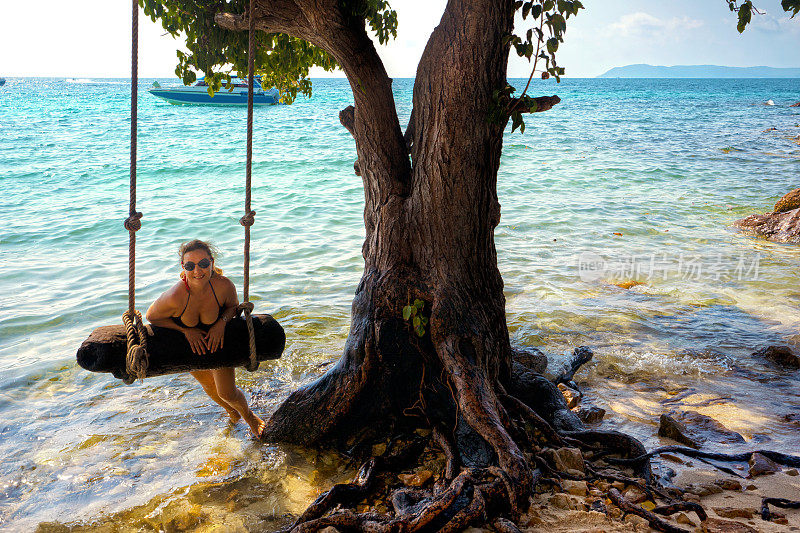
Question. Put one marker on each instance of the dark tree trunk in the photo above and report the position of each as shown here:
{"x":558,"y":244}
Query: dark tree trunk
{"x":430,"y":224}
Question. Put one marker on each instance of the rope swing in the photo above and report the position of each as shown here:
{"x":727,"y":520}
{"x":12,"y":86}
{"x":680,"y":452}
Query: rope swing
{"x":137,"y":358}
{"x":249,"y":215}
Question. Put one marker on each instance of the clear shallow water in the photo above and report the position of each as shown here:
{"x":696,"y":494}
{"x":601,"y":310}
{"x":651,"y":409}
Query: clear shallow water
{"x":666,"y":164}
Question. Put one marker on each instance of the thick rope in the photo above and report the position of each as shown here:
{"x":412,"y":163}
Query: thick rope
{"x":249,"y":215}
{"x":136,"y":360}
{"x":136,"y":357}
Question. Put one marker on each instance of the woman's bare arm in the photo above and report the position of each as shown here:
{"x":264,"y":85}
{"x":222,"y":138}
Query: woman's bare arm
{"x":160,"y":314}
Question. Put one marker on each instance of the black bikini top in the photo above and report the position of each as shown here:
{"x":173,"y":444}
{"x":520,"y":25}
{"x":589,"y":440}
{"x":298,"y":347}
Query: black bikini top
{"x":201,"y":325}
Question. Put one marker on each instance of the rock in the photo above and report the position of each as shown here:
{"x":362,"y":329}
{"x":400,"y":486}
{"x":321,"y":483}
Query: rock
{"x":566,"y":459}
{"x":619,"y":485}
{"x":379,"y":449}
{"x":599,"y":506}
{"x":329,"y":529}
{"x":635,"y":495}
{"x":560,"y":500}
{"x":760,"y":465}
{"x":751,"y":487}
{"x":717,"y":525}
{"x":577,"y":488}
{"x":691,"y":497}
{"x":672,"y":429}
{"x":694,"y":429}
{"x":571,"y":395}
{"x":531,"y":358}
{"x":779,"y":355}
{"x":704,"y":489}
{"x":728,"y":484}
{"x":416,"y":479}
{"x":637,"y":521}
{"x":734,"y":512}
{"x":683,"y":518}
{"x":590,"y":415}
{"x":791,"y":472}
{"x":790,"y":200}
{"x":673,"y":458}
{"x":777,"y":227}
{"x":571,"y":458}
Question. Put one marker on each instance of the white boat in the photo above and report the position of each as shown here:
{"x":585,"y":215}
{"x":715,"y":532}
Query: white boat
{"x":197,"y":94}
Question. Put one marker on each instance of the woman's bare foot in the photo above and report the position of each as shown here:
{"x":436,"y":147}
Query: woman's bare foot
{"x":233,"y":416}
{"x":256,"y":424}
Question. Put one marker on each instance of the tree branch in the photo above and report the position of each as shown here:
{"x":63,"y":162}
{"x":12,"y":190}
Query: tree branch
{"x":534,"y":105}
{"x":347,"y":117}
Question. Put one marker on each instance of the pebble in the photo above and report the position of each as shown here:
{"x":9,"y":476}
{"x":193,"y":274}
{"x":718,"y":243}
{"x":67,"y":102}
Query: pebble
{"x":560,"y":500}
{"x":590,"y":415}
{"x":791,"y":472}
{"x":761,"y":465}
{"x":734,"y":512}
{"x":683,"y":518}
{"x":416,"y":479}
{"x":728,"y":484}
{"x":570,"y":395}
{"x":635,"y":495}
{"x":577,"y":488}
{"x":717,"y":525}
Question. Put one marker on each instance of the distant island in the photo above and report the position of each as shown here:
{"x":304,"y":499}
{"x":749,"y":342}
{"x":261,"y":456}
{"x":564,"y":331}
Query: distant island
{"x":699,"y":71}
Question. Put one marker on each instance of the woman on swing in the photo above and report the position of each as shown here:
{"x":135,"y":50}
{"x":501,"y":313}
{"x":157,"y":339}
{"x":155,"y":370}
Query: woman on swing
{"x":199,"y":306}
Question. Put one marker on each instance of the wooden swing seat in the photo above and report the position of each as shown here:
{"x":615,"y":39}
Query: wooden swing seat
{"x":169,"y":351}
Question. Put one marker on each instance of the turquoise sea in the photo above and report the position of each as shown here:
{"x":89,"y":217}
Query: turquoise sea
{"x":625,"y":182}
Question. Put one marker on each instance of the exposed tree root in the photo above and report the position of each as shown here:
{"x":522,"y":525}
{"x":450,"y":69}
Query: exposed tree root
{"x":783,"y":503}
{"x":675,"y":507}
{"x":654,"y":521}
{"x":780,"y":458}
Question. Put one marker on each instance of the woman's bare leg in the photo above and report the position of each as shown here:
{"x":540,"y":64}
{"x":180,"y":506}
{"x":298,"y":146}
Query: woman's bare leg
{"x":206,"y":379}
{"x":230,"y":394}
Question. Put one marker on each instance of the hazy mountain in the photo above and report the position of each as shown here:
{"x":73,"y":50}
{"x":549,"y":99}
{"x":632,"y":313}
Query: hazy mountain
{"x":699,"y":71}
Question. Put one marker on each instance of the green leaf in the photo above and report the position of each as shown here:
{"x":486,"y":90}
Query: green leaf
{"x":420,"y":331}
{"x":407,"y":312}
{"x":552,"y":45}
{"x":548,"y":5}
{"x":419,"y":304}
{"x":526,"y":9}
{"x":744,"y":16}
{"x":536,"y":11}
{"x":416,"y":322}
{"x":424,"y":320}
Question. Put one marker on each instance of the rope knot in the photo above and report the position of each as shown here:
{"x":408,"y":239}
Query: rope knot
{"x":246,"y":307}
{"x":136,"y":359}
{"x":134,"y":222}
{"x":248,"y":220}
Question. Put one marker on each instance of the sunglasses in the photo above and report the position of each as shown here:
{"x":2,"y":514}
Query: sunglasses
{"x":203,"y":263}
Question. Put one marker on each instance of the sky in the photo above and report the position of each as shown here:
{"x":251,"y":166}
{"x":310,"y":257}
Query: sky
{"x":91,"y":38}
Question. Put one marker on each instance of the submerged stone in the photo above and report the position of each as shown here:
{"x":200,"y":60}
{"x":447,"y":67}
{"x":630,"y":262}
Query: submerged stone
{"x":779,"y":355}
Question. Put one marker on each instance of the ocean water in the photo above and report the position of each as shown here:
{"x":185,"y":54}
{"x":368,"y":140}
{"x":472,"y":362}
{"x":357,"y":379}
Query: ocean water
{"x":616,"y":233}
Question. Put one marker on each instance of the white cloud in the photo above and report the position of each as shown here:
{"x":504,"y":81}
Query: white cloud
{"x":645,"y":25}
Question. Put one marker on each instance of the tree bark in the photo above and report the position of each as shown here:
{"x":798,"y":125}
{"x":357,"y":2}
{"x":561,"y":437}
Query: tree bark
{"x":430,"y":224}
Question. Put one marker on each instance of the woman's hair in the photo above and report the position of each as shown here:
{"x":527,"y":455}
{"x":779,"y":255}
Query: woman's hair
{"x":197,"y":244}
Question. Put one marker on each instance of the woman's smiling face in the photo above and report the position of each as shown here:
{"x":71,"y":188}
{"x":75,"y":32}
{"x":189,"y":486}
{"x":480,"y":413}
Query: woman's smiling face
{"x":197,"y":258}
